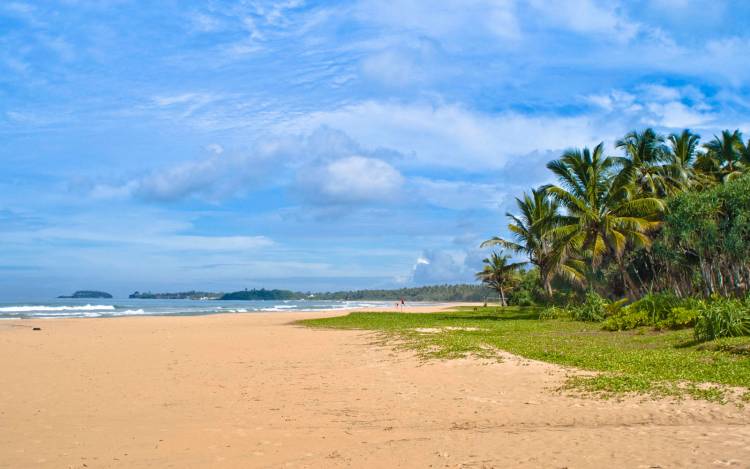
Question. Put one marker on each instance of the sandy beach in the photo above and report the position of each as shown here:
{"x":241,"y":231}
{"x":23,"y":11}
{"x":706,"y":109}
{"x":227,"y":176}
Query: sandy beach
{"x":254,"y":390}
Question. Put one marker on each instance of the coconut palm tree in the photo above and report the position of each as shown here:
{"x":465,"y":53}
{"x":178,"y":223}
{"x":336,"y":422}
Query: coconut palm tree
{"x":498,"y":273}
{"x":727,"y":151}
{"x":679,"y":172}
{"x":603,"y":211}
{"x":530,"y":236}
{"x":645,"y":152}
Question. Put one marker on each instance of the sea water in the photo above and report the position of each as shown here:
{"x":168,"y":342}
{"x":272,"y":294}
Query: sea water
{"x":99,"y":308}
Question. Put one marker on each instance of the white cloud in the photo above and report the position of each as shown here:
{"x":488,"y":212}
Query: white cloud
{"x":152,"y":230}
{"x":446,"y":20}
{"x":659,"y":106}
{"x":588,"y":17}
{"x":452,"y":136}
{"x":352,"y":179}
{"x":457,"y":195}
{"x":205,"y":23}
{"x":215,"y":148}
{"x":325,"y":159}
{"x":392,"y":67}
{"x":185,"y":104}
{"x":616,"y":99}
{"x":212,"y":178}
{"x":436,"y":266}
{"x":676,"y":115}
{"x":360,"y":178}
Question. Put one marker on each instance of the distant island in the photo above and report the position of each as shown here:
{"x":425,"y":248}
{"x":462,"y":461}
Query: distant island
{"x":88,"y":294}
{"x":429,"y":293}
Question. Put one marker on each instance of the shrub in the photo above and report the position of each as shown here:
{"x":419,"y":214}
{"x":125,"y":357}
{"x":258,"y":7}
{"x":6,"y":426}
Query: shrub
{"x":593,"y":308}
{"x":661,"y":310}
{"x":723,"y":318}
{"x":679,"y":318}
{"x":626,"y":320}
{"x":522,"y":298}
{"x":555,"y":312}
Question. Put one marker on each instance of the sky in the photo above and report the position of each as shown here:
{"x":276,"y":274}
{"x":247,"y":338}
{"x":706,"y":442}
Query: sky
{"x":170,"y":145}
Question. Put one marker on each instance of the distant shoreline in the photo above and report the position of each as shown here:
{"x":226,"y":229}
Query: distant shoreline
{"x":438,"y":293}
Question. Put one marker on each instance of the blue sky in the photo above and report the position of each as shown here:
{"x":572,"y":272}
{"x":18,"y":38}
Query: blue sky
{"x":216,"y":145}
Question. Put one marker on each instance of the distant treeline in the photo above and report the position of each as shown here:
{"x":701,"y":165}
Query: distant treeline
{"x":429,"y":293}
{"x":186,"y":295}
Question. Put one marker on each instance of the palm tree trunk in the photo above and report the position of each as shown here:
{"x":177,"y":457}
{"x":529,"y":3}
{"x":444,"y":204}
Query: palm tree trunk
{"x":502,"y":298}
{"x":630,"y":286}
{"x":548,"y":288}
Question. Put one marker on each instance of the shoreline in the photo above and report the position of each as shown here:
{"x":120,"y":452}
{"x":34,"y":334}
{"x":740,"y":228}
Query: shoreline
{"x":248,"y":390}
{"x":436,"y":307}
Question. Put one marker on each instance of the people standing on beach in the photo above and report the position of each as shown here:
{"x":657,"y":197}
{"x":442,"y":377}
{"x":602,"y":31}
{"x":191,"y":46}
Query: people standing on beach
{"x":402,"y":303}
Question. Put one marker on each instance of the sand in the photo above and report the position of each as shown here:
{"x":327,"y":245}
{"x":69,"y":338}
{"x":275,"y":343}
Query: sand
{"x":251,"y":390}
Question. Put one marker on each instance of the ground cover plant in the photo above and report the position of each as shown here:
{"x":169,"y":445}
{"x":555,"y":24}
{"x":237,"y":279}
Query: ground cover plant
{"x":644,"y":360}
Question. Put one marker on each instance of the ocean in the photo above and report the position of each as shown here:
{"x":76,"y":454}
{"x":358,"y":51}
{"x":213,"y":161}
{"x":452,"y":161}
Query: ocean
{"x":105,"y":308}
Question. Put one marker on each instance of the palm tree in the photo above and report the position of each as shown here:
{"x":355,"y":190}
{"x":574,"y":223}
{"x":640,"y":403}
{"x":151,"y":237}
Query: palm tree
{"x":497,"y":273}
{"x":679,"y":172}
{"x":603,"y":214}
{"x":645,"y":152}
{"x":530,"y":236}
{"x":745,"y":153}
{"x":727,"y":150}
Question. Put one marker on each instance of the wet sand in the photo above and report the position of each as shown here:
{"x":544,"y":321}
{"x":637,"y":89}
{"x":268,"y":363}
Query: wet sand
{"x":252,"y":390}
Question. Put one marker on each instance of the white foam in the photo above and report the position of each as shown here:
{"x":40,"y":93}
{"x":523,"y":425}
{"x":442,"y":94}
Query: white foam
{"x":64,"y":315}
{"x":130,"y":312}
{"x":27,"y":308}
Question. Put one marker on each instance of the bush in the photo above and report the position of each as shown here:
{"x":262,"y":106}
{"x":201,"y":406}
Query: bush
{"x":723,"y":318}
{"x":661,"y":310}
{"x":555,"y":312}
{"x":680,"y":317}
{"x":626,"y":320}
{"x":522,"y":298}
{"x":593,"y":308}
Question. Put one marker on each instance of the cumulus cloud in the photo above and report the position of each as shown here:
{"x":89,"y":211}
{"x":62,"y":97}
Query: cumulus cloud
{"x":451,"y":136}
{"x":212,"y":178}
{"x":659,"y":106}
{"x":435,"y":266}
{"x":353,"y":179}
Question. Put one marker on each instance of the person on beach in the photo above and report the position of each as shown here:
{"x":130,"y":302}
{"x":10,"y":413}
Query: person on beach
{"x":402,"y":303}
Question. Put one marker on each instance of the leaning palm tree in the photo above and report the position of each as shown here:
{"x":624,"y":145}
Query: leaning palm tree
{"x":645,"y":152}
{"x":530,"y":236}
{"x":498,"y":273}
{"x":604,"y":214}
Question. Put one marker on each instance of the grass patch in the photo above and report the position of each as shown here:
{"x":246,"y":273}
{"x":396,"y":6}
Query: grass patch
{"x":664,"y":363}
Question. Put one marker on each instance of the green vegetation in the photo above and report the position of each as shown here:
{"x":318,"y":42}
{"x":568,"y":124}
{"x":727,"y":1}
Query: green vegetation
{"x":498,"y":274}
{"x":428,"y":293}
{"x":723,"y":318}
{"x":88,"y":294}
{"x":660,"y":310}
{"x":187,"y":295}
{"x":262,"y":294}
{"x":436,"y":293}
{"x":667,"y":215}
{"x":665,"y":362}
